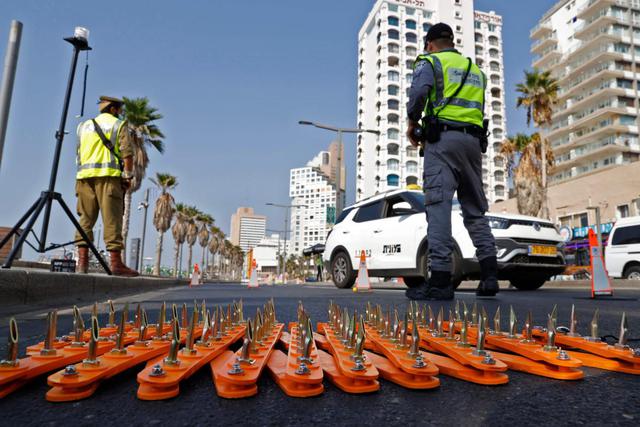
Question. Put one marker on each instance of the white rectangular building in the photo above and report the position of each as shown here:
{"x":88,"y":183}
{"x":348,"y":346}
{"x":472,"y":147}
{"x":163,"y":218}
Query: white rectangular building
{"x":312,"y":187}
{"x":247,"y":228}
{"x":389,"y":41}
{"x":591,"y":47}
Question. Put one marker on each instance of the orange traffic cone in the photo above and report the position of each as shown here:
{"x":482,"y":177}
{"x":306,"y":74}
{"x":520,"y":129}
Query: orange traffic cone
{"x":363,"y":284}
{"x":195,"y":276}
{"x":253,"y":276}
{"x":600,"y":283}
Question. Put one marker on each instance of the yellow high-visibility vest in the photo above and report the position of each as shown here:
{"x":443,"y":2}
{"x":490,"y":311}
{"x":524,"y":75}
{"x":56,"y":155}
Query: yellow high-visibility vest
{"x":93,"y":158}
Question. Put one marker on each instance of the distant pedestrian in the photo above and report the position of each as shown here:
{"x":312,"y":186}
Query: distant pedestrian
{"x":319,"y":268}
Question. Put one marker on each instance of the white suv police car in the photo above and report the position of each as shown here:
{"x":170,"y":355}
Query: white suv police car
{"x":392,"y":230}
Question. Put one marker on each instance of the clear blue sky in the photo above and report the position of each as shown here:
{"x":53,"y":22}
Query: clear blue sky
{"x":232,"y":79}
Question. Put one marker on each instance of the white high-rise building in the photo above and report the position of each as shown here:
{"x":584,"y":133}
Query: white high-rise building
{"x":388,"y":43}
{"x":247,"y":228}
{"x":312,"y":187}
{"x":592,"y":48}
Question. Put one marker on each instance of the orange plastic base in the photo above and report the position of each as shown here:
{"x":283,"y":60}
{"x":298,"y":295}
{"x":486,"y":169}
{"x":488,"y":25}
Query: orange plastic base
{"x":278,"y":368}
{"x":389,"y":372}
{"x":346,"y":384}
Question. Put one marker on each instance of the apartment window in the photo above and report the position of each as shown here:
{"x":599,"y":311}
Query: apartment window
{"x":409,"y":63}
{"x":478,"y":38}
{"x":411,"y":38}
{"x":410,"y":24}
{"x":394,"y":48}
{"x":393,"y":180}
{"x":584,"y":220}
{"x":426,"y":26}
{"x":412,"y":52}
{"x":393,"y":7}
{"x":393,"y":149}
{"x":393,"y":119}
{"x":393,"y":134}
{"x":393,"y":61}
{"x":394,"y":76}
{"x":622,"y":211}
{"x":393,"y":21}
{"x":494,"y":66}
{"x":393,"y":90}
{"x":393,"y":165}
{"x":410,"y":11}
{"x":495,"y":79}
{"x":493,"y":41}
{"x":494,"y":53}
{"x":409,"y":78}
{"x":412,"y":167}
{"x":478,"y":25}
{"x":492,"y":27}
{"x":394,"y":34}
{"x":393,"y":104}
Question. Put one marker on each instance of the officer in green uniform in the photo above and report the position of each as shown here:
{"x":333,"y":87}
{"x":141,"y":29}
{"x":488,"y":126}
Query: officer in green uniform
{"x":448,"y":95}
{"x":104,"y":161}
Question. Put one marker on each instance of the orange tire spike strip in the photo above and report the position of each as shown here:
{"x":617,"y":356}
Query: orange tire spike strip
{"x":83,"y":381}
{"x":391,"y":373}
{"x":344,"y":383}
{"x":234,"y":383}
{"x":159,"y":381}
{"x":298,"y":373}
{"x":235,"y":374}
{"x":356,"y":376}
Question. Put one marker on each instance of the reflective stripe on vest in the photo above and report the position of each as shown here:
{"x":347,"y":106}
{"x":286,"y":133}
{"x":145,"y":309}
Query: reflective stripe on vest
{"x":93,"y":158}
{"x":449,"y":68}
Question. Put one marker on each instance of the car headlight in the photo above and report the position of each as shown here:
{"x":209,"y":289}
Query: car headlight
{"x":499,"y":223}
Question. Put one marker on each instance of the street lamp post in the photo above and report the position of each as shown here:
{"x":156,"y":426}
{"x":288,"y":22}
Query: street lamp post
{"x":340,"y":132}
{"x":143,"y":205}
{"x":278,"y":270}
{"x":286,"y":228}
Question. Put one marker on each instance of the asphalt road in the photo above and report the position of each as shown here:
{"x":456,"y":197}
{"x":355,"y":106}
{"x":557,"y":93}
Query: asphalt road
{"x":600,"y":398}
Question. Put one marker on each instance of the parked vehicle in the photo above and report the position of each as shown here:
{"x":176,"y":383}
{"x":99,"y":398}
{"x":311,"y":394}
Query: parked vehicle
{"x":392,"y":230}
{"x":622,"y":255}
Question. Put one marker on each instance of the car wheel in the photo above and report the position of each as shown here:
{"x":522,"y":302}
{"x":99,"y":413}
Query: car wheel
{"x":341,"y":271}
{"x":528,"y":284}
{"x":456,"y":275}
{"x":632,"y":273}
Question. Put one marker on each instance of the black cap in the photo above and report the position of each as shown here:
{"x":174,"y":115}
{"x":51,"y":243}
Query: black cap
{"x":439,"y":31}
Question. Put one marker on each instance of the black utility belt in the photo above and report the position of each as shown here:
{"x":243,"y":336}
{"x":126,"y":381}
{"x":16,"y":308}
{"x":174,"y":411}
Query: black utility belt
{"x":472,"y":130}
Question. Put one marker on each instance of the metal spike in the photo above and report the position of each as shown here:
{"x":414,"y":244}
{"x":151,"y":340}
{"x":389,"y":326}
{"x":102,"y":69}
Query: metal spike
{"x":551,"y":335}
{"x":137,"y":317}
{"x":119,"y":348}
{"x":358,"y":353}
{"x":395,"y":329}
{"x":414,"y":350}
{"x":464,"y":342}
{"x":206,"y":329}
{"x":496,"y":322}
{"x":142,"y":329}
{"x":440,"y":323}
{"x":457,"y":311}
{"x":93,"y":343}
{"x":573,"y":323}
{"x":352,"y":329}
{"x":528,"y":329}
{"x":215,"y":326}
{"x":513,"y":323}
{"x":94,"y":309}
{"x":184,"y":323}
{"x":554,"y":314}
{"x":404,"y":330}
{"x":624,"y":331}
{"x":482,"y":335}
{"x":172,"y":357}
{"x":12,"y":346}
{"x":161,"y":321}
{"x":474,"y":313}
{"x":247,"y":345}
{"x":595,"y":336}
{"x":112,"y":314}
{"x":452,"y":327}
{"x":78,"y":328}
{"x":431,"y":319}
{"x":48,"y":349}
{"x":485,"y":318}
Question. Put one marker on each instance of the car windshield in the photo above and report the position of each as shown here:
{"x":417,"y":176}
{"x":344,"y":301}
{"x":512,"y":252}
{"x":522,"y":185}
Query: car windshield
{"x":419,"y":198}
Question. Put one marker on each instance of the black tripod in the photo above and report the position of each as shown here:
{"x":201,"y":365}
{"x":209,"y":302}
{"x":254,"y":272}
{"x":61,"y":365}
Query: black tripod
{"x":47,"y":197}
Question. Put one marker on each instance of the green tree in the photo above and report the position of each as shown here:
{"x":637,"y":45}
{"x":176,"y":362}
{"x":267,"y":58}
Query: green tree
{"x":192,"y":232}
{"x":179,"y":231}
{"x":204,"y":222}
{"x":163,"y":211}
{"x":140,"y":118}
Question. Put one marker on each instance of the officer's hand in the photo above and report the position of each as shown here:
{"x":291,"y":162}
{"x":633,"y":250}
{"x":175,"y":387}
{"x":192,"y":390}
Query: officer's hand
{"x":125,"y":184}
{"x":412,"y":126}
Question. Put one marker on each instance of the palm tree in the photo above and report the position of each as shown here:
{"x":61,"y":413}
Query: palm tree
{"x":192,"y":232}
{"x":163,"y":211}
{"x":179,"y":231}
{"x":214,"y":246}
{"x":204,"y":222}
{"x":524,"y":156}
{"x":538,"y":94}
{"x":140,"y":118}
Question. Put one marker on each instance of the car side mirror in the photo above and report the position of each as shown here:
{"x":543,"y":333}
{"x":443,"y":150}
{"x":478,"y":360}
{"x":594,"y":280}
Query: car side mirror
{"x":403,"y":208}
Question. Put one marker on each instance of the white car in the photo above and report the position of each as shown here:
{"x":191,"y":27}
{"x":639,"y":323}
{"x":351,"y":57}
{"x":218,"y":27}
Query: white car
{"x":622,"y":255}
{"x":392,"y":230}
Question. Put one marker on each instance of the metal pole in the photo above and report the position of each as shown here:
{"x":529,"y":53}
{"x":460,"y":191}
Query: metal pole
{"x":8,"y":77}
{"x":339,"y":177}
{"x":284,"y":260}
{"x":145,"y":205}
{"x":598,"y":226}
{"x":59,"y":139}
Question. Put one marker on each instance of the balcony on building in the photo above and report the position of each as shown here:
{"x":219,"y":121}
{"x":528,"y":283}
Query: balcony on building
{"x":600,"y":24}
{"x":570,"y":87}
{"x":546,"y":57}
{"x":540,"y":30}
{"x":607,"y":89}
{"x":609,"y":128}
{"x":594,"y":7}
{"x":540,"y":45}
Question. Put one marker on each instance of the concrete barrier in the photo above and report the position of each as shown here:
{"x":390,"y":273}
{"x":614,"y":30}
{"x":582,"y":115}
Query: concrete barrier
{"x":38,"y":288}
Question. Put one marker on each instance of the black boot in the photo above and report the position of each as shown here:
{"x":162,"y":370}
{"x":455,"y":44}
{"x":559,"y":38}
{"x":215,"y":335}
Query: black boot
{"x":417,"y":292}
{"x":488,"y":286}
{"x":440,"y":288}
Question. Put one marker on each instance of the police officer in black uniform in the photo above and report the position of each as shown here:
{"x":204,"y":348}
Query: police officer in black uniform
{"x":446,"y":117}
